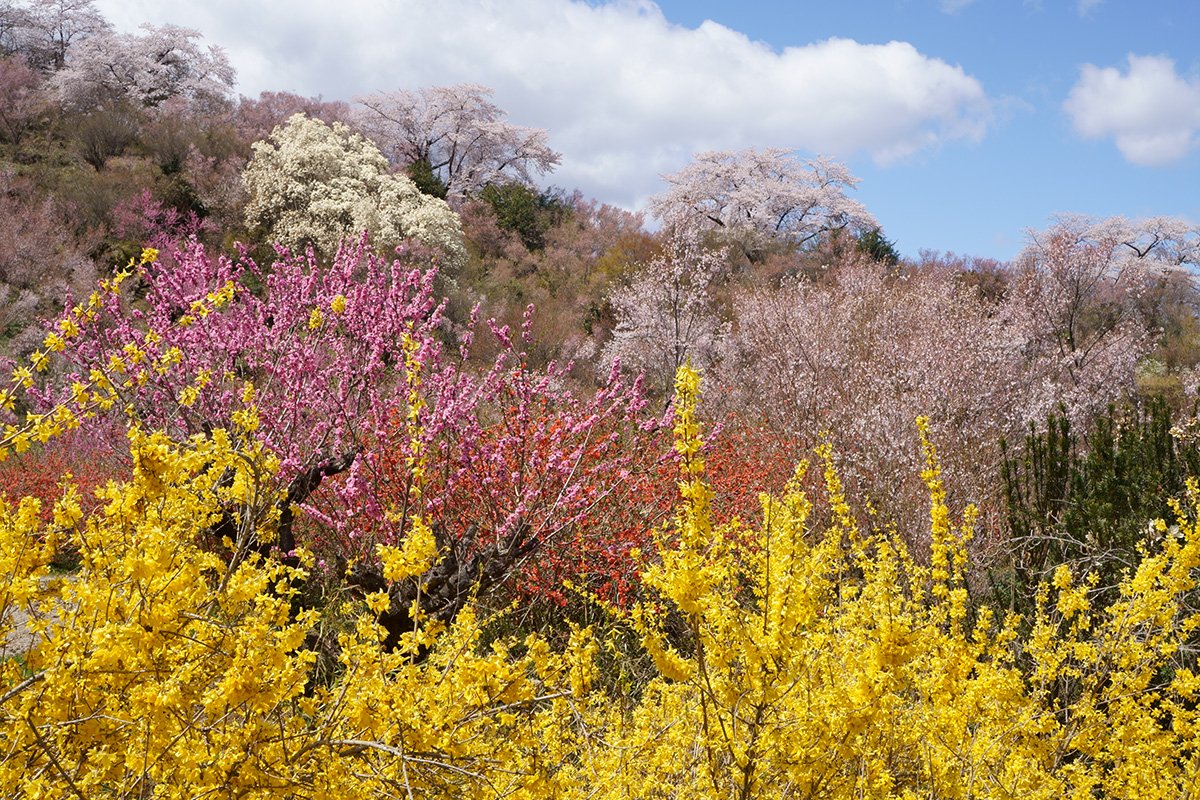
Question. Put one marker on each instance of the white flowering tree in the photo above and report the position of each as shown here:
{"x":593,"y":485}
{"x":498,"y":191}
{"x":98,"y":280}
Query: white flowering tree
{"x":312,"y":183}
{"x":144,"y":69}
{"x":44,"y":30}
{"x":754,"y":198}
{"x":1076,"y":291}
{"x":459,"y":133}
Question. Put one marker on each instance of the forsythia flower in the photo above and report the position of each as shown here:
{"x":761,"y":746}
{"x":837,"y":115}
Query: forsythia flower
{"x":785,"y":658}
{"x":415,"y":557}
{"x":378,"y":602}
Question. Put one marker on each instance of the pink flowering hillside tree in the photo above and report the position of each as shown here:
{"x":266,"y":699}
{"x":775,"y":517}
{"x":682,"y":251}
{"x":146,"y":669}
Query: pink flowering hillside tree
{"x":459,"y":134}
{"x":667,"y":313}
{"x":863,"y":351}
{"x":860,"y":355}
{"x":371,"y":418}
{"x":756,"y":199}
{"x":43,"y":32}
{"x":1075,"y":297}
{"x":22,"y":100}
{"x":144,"y":70}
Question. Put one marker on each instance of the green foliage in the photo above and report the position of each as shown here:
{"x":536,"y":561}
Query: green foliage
{"x":1090,"y":504}
{"x":421,"y":173}
{"x":525,"y":212}
{"x":878,"y":247}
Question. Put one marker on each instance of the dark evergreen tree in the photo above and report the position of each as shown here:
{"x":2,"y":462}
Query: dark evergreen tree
{"x":1091,"y":504}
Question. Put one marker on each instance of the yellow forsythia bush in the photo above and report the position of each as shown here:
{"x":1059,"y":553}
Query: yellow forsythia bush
{"x":791,"y":662}
{"x":831,"y":665}
{"x":163,"y":670}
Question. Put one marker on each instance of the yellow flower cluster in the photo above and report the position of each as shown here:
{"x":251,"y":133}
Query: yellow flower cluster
{"x":162,"y":669}
{"x":419,"y":551}
{"x":800,"y":663}
{"x":791,"y":660}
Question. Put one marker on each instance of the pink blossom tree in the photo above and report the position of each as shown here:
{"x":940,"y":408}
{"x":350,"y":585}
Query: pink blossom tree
{"x":861,"y":353}
{"x":256,"y":117}
{"x":371,"y":420}
{"x":12,"y":19}
{"x":44,"y":31}
{"x":755,"y":198}
{"x":145,"y":219}
{"x":458,"y":133}
{"x":22,"y":100}
{"x":859,"y":356}
{"x":1075,"y":297}
{"x":40,"y":262}
{"x":144,"y":70}
{"x":667,"y":313}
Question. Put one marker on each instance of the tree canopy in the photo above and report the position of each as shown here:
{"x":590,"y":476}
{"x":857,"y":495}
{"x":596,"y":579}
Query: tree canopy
{"x":459,"y":133}
{"x":754,"y":198}
{"x":319,"y":184}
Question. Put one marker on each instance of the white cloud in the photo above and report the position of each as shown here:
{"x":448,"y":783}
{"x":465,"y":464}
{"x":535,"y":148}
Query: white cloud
{"x":625,"y":94}
{"x":1085,"y":7}
{"x":1150,"y":111}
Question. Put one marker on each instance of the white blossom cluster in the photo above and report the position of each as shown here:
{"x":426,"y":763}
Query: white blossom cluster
{"x":755,"y":197}
{"x":460,"y":133}
{"x":312,"y":183}
{"x":143,"y":69}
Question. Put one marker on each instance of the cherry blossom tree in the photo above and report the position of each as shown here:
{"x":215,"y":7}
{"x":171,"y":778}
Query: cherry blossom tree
{"x":43,"y":31}
{"x":21,"y":98}
{"x":666,"y":314}
{"x":458,"y":133}
{"x":863,"y":352}
{"x":312,"y":183}
{"x":12,"y":19}
{"x":144,"y":70}
{"x":40,"y":262}
{"x":753,"y":198}
{"x":256,"y":117}
{"x":859,"y":356}
{"x":1075,"y":296}
{"x":1165,"y":242}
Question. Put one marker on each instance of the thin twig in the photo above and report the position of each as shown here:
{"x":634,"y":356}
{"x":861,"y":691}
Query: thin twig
{"x":22,"y":686}
{"x":395,"y":751}
{"x":53,"y":760}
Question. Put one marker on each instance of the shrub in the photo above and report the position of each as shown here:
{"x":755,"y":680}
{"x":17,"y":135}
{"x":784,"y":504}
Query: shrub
{"x":790,"y":660}
{"x":1090,"y":504}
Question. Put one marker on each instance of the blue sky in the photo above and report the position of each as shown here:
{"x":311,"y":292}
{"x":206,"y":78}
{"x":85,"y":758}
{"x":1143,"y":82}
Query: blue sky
{"x":980,"y":197}
{"x":968,"y":122}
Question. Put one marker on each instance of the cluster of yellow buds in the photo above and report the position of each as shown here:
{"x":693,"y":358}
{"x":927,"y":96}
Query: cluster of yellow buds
{"x":86,"y":398}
